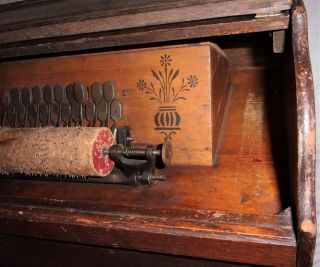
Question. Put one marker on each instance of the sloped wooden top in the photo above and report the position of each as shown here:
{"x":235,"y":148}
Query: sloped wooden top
{"x":25,"y":24}
{"x":138,"y":12}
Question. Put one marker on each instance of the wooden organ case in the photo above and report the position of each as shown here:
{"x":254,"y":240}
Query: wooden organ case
{"x":227,"y":83}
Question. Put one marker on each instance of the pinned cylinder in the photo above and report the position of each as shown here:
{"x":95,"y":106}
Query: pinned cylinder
{"x":68,"y":151}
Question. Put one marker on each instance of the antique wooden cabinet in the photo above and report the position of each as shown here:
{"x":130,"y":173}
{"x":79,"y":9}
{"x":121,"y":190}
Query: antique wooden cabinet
{"x":240,"y":191}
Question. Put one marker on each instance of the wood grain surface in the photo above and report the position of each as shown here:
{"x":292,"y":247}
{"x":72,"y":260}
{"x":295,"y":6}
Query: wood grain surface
{"x":35,"y":252}
{"x":246,"y":178}
{"x":304,"y":170}
{"x":146,"y":35}
{"x":234,"y":212}
{"x":114,"y":15}
{"x":180,"y":91}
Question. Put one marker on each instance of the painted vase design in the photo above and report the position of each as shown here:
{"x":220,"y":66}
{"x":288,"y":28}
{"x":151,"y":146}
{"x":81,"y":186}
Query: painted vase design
{"x":166,"y":92}
{"x":167,"y":120}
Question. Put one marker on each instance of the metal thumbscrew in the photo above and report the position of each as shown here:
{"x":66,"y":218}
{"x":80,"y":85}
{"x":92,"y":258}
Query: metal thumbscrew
{"x":149,"y":178}
{"x":131,"y":152}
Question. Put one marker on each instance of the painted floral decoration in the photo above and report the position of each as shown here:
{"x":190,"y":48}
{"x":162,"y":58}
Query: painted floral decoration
{"x":163,"y":90}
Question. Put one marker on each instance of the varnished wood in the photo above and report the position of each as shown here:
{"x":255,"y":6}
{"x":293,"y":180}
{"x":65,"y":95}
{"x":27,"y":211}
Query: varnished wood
{"x":199,"y":79}
{"x":126,"y":14}
{"x":146,"y":35}
{"x":35,"y":252}
{"x":236,"y":211}
{"x":245,"y":181}
{"x":189,"y":236}
{"x":304,"y":192}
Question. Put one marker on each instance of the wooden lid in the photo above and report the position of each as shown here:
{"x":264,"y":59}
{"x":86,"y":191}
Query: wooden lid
{"x":38,"y":21}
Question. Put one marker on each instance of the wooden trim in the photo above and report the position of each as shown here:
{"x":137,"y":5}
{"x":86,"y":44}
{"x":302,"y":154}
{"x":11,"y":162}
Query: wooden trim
{"x":306,"y":154}
{"x":76,"y":16}
{"x":227,"y":237}
{"x":181,"y":31}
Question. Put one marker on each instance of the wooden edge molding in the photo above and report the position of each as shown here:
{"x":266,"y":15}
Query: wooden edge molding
{"x":72,"y":17}
{"x":268,"y":240}
{"x":306,"y":154}
{"x":153,"y":34}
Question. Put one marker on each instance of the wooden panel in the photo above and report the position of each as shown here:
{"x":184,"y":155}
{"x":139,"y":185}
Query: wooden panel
{"x":198,"y":211}
{"x":164,"y":83}
{"x":35,"y":252}
{"x":152,"y":34}
{"x":117,"y":15}
{"x":245,"y":179}
{"x":270,"y":240}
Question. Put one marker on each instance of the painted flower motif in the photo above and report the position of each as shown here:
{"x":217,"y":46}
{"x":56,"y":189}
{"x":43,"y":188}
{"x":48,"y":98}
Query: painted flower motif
{"x":192,"y":81}
{"x":141,"y":84}
{"x":165,"y":60}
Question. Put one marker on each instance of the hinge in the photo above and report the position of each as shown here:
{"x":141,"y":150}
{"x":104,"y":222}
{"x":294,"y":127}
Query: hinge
{"x":268,"y":15}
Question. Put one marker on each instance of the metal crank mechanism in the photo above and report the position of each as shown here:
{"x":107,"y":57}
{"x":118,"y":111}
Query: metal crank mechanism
{"x":135,"y":163}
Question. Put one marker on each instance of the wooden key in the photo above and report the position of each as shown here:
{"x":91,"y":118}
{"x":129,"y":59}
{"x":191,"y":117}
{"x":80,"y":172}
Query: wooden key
{"x":61,"y":97}
{"x":96,"y":96}
{"x":37,"y":97}
{"x":109,"y":94}
{"x":102,"y":112}
{"x":90,"y":112}
{"x":26,"y":100}
{"x":16,"y":101}
{"x":66,"y":114}
{"x":48,"y":95}
{"x":80,"y":91}
{"x":33,"y":114}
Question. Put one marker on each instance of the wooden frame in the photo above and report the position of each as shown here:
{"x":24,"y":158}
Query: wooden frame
{"x":41,"y":211}
{"x":306,"y":138}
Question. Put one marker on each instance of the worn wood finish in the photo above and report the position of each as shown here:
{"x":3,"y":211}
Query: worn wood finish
{"x":198,"y":211}
{"x":270,"y":240}
{"x":114,"y":15}
{"x":306,"y":139}
{"x":35,"y":252}
{"x":151,"y":34}
{"x":163,"y":82}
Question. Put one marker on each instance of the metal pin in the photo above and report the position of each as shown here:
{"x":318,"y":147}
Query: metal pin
{"x":96,"y":95}
{"x":109,"y":93}
{"x":61,"y":98}
{"x":90,"y":111}
{"x":48,"y":95}
{"x":5,"y":102}
{"x":37,"y":97}
{"x":115,"y":112}
{"x":16,"y":101}
{"x":81,"y":96}
{"x":26,"y":100}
